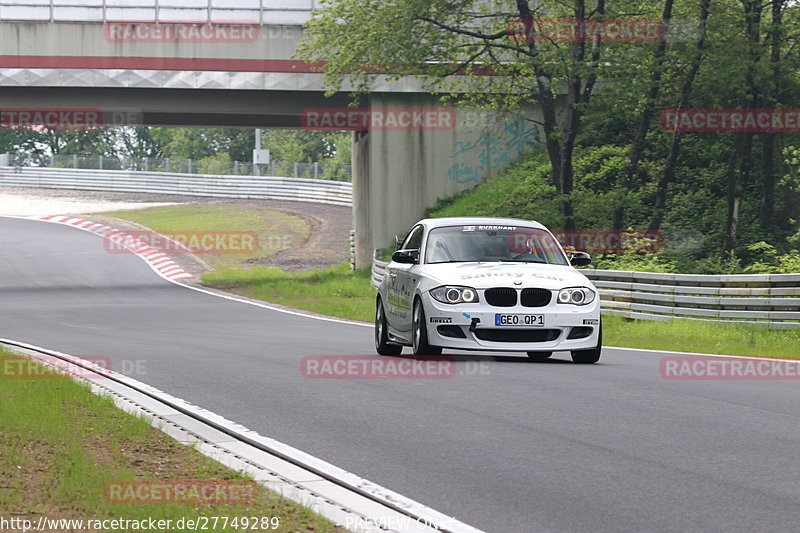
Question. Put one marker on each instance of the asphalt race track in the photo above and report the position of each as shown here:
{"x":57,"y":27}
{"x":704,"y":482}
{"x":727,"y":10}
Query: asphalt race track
{"x":513,"y":447}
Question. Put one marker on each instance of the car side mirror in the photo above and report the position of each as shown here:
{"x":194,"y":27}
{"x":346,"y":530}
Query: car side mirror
{"x":405,"y":256}
{"x":579,"y":259}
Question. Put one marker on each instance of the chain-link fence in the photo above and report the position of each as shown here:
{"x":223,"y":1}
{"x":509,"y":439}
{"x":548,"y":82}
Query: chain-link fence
{"x":321,"y":170}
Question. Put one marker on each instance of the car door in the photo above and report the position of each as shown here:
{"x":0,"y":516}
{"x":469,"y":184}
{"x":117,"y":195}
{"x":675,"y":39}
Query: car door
{"x":402,"y":280}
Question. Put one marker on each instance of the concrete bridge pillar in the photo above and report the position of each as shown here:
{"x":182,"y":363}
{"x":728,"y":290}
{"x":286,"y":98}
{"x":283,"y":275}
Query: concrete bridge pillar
{"x":399,"y":173}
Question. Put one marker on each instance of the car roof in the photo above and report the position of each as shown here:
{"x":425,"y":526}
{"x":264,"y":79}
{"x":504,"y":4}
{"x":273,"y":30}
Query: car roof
{"x":479,"y":221}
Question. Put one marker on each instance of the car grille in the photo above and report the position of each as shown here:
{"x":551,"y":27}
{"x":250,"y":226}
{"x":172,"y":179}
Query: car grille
{"x":501,"y":296}
{"x":535,"y":297}
{"x":517,"y":335}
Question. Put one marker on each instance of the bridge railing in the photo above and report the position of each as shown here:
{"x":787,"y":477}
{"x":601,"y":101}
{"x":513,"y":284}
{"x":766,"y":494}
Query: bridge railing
{"x":225,"y":186}
{"x":239,"y":11}
{"x":770,"y":300}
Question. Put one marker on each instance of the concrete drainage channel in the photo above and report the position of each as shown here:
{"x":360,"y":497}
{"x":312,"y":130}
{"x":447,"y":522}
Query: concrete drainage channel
{"x":344,"y":498}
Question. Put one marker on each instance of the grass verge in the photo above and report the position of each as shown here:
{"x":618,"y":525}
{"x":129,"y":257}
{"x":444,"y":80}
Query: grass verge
{"x":337,"y":291}
{"x":702,"y":337}
{"x":275,"y":230}
{"x":60,"y":445}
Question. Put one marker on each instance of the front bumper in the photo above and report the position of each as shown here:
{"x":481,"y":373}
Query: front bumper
{"x":561,"y":321}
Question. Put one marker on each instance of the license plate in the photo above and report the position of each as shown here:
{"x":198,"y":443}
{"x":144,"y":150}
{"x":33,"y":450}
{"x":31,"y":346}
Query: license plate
{"x":531,"y":321}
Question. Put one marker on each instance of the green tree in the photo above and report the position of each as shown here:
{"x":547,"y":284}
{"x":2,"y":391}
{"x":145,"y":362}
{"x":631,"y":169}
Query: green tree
{"x":452,"y":44}
{"x":299,"y":146}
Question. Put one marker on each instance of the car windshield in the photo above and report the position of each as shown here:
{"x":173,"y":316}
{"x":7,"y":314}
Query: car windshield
{"x":455,"y":244}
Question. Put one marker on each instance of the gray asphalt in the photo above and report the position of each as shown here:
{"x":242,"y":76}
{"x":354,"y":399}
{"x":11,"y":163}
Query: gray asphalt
{"x":519,"y":447}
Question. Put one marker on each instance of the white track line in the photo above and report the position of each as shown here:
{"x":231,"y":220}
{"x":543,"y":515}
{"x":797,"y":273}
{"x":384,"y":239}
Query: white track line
{"x":699,"y":354}
{"x":430,"y":515}
{"x":152,"y":259}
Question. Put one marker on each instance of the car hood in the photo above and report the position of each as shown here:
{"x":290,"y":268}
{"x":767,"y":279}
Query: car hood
{"x":503,"y":274}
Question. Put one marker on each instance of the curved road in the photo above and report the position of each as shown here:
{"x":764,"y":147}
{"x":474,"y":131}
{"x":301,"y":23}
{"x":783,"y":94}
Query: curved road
{"x":520,"y":447}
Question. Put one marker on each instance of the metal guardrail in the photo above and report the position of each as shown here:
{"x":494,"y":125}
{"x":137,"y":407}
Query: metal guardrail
{"x":352,"y":251}
{"x":378,"y":271}
{"x":223,"y":186}
{"x":318,"y":170}
{"x":770,"y":300}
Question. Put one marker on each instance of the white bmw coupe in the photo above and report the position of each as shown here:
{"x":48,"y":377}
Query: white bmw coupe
{"x":492,"y":284}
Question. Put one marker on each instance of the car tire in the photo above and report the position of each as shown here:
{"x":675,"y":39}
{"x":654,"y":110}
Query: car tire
{"x":539,"y":356}
{"x":587,"y":357}
{"x":419,"y":332}
{"x":382,"y":344}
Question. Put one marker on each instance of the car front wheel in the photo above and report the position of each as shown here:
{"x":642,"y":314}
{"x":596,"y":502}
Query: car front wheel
{"x":587,"y":357}
{"x":382,"y":345}
{"x":420,"y":332}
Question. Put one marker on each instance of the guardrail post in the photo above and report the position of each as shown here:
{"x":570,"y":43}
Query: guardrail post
{"x":188,"y":166}
{"x":100,"y":162}
{"x":352,"y":249}
{"x":296,"y":173}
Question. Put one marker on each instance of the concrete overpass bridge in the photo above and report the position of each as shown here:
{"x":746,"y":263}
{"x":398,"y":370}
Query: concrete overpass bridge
{"x":230,"y":63}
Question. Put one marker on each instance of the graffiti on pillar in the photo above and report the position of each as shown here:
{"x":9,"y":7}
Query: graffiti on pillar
{"x":491,"y":150}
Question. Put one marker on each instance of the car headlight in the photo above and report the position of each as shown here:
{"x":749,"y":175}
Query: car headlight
{"x":455,"y":294}
{"x":576,"y":296}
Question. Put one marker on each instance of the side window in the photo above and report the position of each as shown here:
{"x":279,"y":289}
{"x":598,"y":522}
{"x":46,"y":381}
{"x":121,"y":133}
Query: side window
{"x":414,"y":239}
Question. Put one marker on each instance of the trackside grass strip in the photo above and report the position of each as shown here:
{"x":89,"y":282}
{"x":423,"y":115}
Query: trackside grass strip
{"x":703,"y":337}
{"x":274,"y":230}
{"x":337,"y":291}
{"x":60,"y":445}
